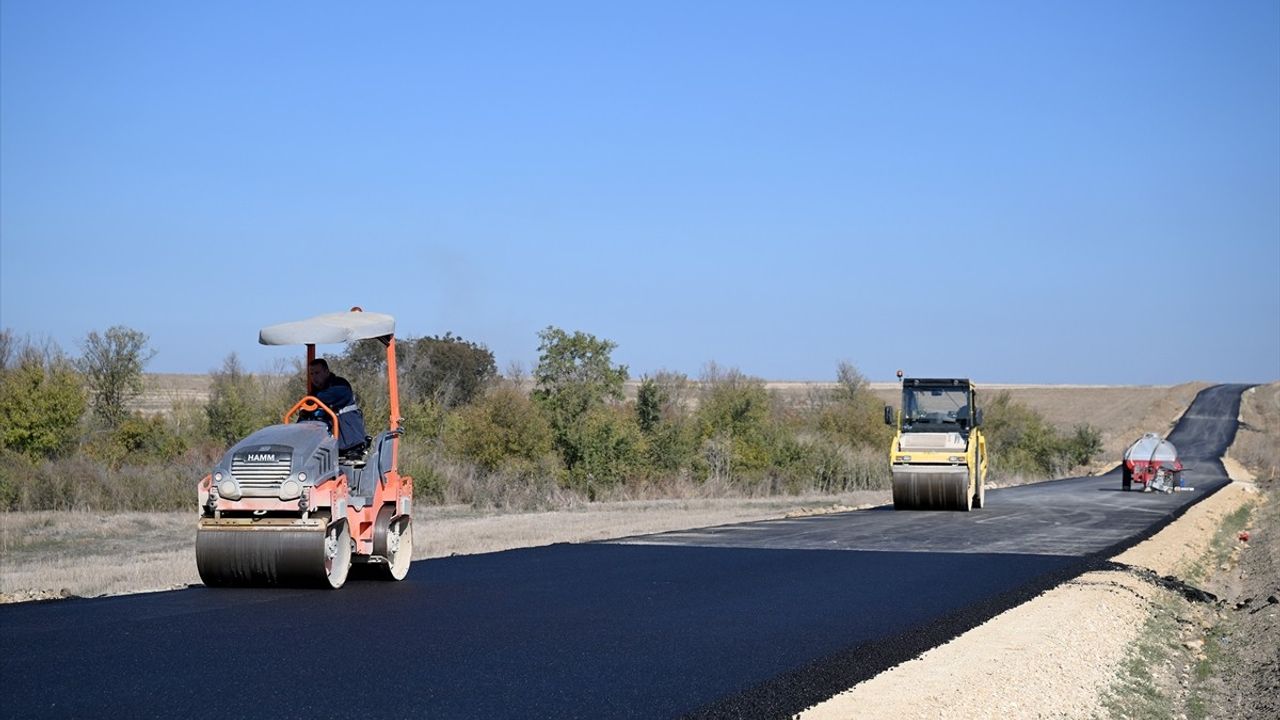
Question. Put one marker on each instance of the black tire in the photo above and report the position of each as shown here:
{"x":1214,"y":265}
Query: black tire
{"x":1126,"y":478}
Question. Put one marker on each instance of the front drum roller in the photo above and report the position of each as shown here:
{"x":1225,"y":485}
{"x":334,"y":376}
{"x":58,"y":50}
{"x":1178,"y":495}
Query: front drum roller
{"x":393,"y":541}
{"x":931,"y":488}
{"x":271,"y":552}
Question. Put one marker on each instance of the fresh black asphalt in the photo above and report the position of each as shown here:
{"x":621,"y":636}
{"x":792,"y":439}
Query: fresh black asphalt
{"x":752,"y":620}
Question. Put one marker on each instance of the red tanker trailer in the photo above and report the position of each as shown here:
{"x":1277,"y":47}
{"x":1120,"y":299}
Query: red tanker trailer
{"x":1153,"y":462}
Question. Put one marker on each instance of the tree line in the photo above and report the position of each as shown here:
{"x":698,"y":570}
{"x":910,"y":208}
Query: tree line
{"x":566,"y":431}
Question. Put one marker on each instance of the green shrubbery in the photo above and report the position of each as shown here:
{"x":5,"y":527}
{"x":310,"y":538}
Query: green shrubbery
{"x":472,"y":437}
{"x":237,"y":403}
{"x":502,"y":427}
{"x":1022,"y":442}
{"x":138,"y":440}
{"x":41,"y":403}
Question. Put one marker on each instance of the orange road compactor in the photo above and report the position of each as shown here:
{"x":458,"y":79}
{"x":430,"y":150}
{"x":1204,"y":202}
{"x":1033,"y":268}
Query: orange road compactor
{"x":283,"y":507}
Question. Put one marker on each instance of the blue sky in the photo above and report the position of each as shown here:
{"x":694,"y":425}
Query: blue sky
{"x":1075,"y":192}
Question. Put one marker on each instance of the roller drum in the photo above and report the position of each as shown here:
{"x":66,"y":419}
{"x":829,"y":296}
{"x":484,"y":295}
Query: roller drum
{"x":937,"y":488}
{"x":295,"y":553}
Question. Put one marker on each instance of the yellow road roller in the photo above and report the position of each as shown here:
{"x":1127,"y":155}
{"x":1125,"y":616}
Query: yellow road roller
{"x":938,"y":456}
{"x":285,"y":507}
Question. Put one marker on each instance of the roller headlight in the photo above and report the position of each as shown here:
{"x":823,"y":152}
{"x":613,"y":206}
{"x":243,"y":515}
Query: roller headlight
{"x":290,"y":489}
{"x":229,"y":490}
{"x":956,"y":459}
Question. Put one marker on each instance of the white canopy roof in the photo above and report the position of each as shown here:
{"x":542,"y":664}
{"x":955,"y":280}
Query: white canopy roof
{"x":332,"y":328}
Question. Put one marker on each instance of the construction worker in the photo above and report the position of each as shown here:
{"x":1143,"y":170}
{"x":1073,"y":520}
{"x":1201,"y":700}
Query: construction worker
{"x":335,"y":392}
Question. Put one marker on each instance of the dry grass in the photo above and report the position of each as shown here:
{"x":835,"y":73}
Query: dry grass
{"x":47,"y":554}
{"x":1257,"y":443}
{"x":162,"y":392}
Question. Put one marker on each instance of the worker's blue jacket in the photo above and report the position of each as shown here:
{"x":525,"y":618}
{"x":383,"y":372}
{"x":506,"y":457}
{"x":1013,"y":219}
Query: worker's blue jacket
{"x":341,"y":399}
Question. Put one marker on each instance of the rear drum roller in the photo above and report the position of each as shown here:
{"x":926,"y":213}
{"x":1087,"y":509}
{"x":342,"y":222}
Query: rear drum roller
{"x":392,"y":540}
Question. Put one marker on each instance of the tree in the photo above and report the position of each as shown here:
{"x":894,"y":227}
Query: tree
{"x":1083,"y":445}
{"x":41,"y":403}
{"x":649,"y":401}
{"x":733,"y":420}
{"x":8,"y":348}
{"x":112,"y":366}
{"x":234,"y":408}
{"x":852,"y":383}
{"x":447,"y":369}
{"x":575,"y":375}
{"x":661,"y":399}
{"x":857,"y":415}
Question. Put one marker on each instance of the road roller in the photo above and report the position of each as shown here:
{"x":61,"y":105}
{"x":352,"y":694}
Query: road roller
{"x":938,"y":456}
{"x":283,"y":507}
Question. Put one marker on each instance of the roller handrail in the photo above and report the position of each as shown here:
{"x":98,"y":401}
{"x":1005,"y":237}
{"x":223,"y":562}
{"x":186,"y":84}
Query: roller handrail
{"x":311,"y":403}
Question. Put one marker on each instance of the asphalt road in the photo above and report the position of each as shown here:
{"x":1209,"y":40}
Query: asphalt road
{"x":751,"y":620}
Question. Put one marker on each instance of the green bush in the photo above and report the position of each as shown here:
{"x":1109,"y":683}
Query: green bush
{"x":610,"y":448}
{"x":237,"y":406}
{"x":504,"y":424}
{"x":41,"y":403}
{"x":670,"y":446}
{"x":855,"y":415}
{"x":447,"y":370}
{"x":417,"y":459}
{"x":1022,"y":442}
{"x":422,"y":419}
{"x":575,"y":376}
{"x":83,"y":483}
{"x":138,"y":440}
{"x":649,"y":400}
{"x":836,"y":467}
{"x":733,"y":423}
{"x":670,"y":440}
{"x":15,"y":470}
